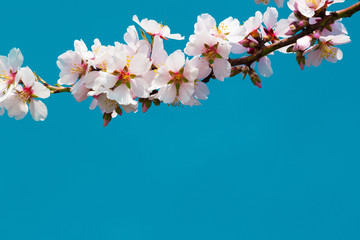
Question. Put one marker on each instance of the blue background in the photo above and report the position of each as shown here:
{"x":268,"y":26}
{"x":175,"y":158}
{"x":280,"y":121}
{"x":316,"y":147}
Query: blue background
{"x":281,"y":162}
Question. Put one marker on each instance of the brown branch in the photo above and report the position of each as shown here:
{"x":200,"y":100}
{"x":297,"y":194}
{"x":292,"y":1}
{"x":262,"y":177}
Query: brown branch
{"x":53,"y":89}
{"x":248,"y":60}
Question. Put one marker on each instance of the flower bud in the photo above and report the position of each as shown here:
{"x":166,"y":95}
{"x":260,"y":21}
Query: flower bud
{"x":107,"y":118}
{"x":245,"y":43}
{"x":255,"y":79}
{"x":253,"y":45}
{"x":146,"y":105}
{"x":300,"y":58}
{"x":255,"y":34}
{"x":303,"y":23}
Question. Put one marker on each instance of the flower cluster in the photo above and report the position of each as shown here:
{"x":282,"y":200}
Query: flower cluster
{"x":19,"y":87}
{"x":118,"y":77}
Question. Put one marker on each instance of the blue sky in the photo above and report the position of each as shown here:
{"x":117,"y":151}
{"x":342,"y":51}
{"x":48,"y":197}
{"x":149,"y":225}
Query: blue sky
{"x":280,"y":162}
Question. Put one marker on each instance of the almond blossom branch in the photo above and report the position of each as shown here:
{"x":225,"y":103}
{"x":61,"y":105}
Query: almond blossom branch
{"x":120,"y":77}
{"x":345,"y":13}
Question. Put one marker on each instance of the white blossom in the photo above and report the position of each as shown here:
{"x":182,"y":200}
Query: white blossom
{"x":154,"y":28}
{"x":16,"y":103}
{"x":174,"y":80}
{"x":9,"y":77}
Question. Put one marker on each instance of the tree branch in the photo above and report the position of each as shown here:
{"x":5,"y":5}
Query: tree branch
{"x":248,"y":60}
{"x":53,"y":89}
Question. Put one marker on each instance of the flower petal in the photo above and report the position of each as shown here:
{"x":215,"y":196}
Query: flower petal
{"x":38,"y":110}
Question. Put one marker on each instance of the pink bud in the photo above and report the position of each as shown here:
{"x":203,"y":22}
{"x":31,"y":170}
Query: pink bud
{"x":245,"y":42}
{"x":144,"y":108}
{"x":302,"y":65}
{"x":258,"y":84}
{"x":106,"y":122}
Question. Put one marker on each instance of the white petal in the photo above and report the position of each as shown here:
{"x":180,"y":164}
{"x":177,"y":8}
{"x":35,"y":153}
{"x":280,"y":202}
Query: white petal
{"x":281,"y":28}
{"x":175,"y":61}
{"x":190,"y":71}
{"x":167,"y":94}
{"x":15,"y":59}
{"x":224,"y":50}
{"x":140,"y":88}
{"x":27,"y":76}
{"x":4,"y":64}
{"x":15,"y":107}
{"x":201,"y":91}
{"x":130,"y":108}
{"x":139,"y":64}
{"x":314,"y":58}
{"x":185,"y":92}
{"x":175,"y":36}
{"x":270,"y":17}
{"x":93,"y":104}
{"x":204,"y":23}
{"x":159,"y":55}
{"x":121,"y":94}
{"x":131,"y":36}
{"x":38,"y":110}
{"x":222,"y":68}
{"x":68,"y":79}
{"x":339,"y":54}
{"x":264,"y":67}
{"x":237,"y":48}
{"x":203,"y":66}
{"x":40,"y":90}
{"x":81,"y":93}
{"x":136,"y":19}
{"x":162,"y":78}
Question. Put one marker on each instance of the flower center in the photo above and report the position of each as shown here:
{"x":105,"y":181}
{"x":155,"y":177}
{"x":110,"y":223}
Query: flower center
{"x":177,"y":79}
{"x":9,"y":78}
{"x":79,"y":69}
{"x":124,"y":77}
{"x":271,"y":36}
{"x":25,"y":94}
{"x":211,"y":52}
{"x":221,"y":31}
{"x":327,"y":51}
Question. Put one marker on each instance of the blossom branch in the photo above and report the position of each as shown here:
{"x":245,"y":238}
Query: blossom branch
{"x":119,"y":78}
{"x":345,"y":13}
